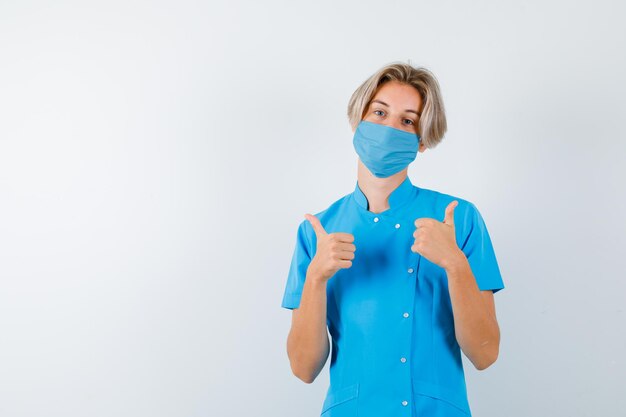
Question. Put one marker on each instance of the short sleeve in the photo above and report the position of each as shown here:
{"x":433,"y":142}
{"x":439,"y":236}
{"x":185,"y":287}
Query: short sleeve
{"x":479,"y":251}
{"x":300,"y":261}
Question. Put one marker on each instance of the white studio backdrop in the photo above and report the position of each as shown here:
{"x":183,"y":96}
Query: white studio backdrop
{"x":157,"y":157}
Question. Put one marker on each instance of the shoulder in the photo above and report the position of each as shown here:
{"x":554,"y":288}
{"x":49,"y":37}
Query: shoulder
{"x":469,"y":225}
{"x":325,"y":216}
{"x":438,"y":200}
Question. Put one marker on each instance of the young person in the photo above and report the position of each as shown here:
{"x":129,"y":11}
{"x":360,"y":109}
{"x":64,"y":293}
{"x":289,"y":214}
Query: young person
{"x":402,"y":277}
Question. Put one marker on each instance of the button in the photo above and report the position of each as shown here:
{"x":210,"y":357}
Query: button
{"x":402,"y":360}
{"x":405,"y":315}
{"x":375,"y":219}
{"x":410,"y":270}
{"x":405,"y":403}
{"x":397,"y":225}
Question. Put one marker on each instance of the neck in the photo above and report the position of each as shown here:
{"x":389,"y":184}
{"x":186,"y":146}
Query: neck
{"x":377,"y":190}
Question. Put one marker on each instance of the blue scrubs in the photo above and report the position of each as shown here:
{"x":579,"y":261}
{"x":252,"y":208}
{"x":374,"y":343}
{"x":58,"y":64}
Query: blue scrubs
{"x":394,"y":351}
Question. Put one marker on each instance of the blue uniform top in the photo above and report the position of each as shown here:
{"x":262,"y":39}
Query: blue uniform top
{"x":394,"y":350}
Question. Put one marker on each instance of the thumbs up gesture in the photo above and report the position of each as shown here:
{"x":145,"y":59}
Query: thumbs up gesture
{"x":436,"y":240}
{"x":334,"y":250}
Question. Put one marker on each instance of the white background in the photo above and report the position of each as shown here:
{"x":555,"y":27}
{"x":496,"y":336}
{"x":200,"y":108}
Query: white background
{"x":156,"y":158}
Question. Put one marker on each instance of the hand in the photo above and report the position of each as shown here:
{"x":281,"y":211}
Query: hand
{"x":334,"y":250}
{"x":436,"y":240}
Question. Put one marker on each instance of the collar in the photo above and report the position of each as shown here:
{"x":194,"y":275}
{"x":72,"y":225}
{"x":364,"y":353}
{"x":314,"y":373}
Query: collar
{"x":400,"y":195}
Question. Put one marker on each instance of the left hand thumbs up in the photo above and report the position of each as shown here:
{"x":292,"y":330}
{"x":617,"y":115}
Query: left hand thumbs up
{"x":436,"y":240}
{"x":449,"y":217}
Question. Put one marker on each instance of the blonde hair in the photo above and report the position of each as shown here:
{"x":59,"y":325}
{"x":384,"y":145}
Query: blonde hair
{"x":432,"y":123}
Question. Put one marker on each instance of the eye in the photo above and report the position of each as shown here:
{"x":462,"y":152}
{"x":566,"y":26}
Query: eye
{"x":377,"y":113}
{"x":410,"y":121}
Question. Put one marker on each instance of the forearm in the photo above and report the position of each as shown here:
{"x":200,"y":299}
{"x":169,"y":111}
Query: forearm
{"x":476,"y":329}
{"x":307,"y":343}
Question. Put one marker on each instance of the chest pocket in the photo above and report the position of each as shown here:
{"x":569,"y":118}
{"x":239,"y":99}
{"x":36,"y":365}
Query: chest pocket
{"x":341,"y":402}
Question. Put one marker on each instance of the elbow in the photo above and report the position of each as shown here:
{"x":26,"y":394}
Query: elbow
{"x":486,"y":361}
{"x":300,"y":370}
{"x":482,"y":365}
{"x":303,"y":365}
{"x":304,"y":375}
{"x":307,"y":378}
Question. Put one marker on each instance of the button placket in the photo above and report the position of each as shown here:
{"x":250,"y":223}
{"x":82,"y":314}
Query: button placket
{"x":407,"y":367}
{"x":404,"y":360}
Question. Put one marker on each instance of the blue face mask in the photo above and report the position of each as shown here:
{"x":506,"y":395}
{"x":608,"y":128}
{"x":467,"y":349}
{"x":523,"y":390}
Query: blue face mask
{"x":384,"y":150}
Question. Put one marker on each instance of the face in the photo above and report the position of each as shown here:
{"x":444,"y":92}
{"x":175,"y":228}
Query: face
{"x":396,"y":105}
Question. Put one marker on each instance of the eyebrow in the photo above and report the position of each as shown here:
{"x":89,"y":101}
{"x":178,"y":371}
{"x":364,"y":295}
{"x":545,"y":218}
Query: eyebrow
{"x":385,"y":104}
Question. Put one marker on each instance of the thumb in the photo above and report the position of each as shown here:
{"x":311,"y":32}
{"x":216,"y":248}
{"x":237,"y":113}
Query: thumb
{"x":317,"y":226}
{"x":449,"y":218}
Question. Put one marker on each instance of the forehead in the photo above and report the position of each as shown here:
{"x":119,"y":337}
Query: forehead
{"x":397,"y":94}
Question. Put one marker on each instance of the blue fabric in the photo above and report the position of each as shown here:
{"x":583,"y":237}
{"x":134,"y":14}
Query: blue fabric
{"x":384,"y":150}
{"x":393,"y":304}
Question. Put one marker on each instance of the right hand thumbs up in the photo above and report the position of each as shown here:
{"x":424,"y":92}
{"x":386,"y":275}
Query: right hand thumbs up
{"x":334,"y":250}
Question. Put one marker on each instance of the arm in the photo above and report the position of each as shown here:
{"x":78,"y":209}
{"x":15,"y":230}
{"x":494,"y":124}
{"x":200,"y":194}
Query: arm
{"x":475,"y":325}
{"x":475,"y":322}
{"x":307,"y":343}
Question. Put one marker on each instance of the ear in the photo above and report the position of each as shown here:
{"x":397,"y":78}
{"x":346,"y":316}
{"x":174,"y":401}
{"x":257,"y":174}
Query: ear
{"x":422,"y":147}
